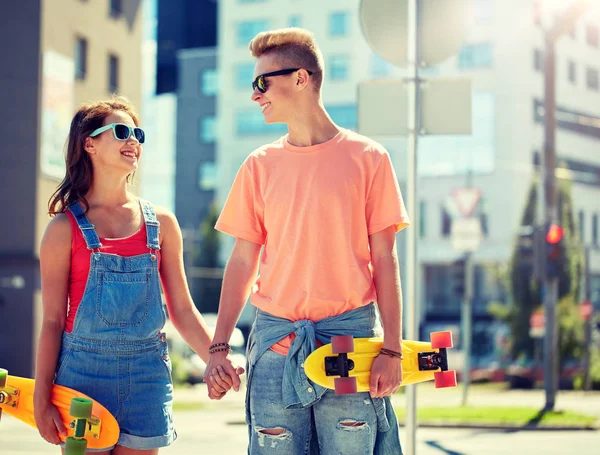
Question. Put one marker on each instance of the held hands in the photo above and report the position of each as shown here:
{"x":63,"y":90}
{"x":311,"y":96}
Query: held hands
{"x":221,"y":375}
{"x":48,"y":421}
{"x":386,"y":375}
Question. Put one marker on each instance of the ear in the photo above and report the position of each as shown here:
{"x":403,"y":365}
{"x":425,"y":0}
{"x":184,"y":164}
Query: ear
{"x":303,"y":79}
{"x":88,"y":146}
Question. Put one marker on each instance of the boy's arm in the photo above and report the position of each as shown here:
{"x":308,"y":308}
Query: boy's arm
{"x":386,"y":374}
{"x":238,"y":279}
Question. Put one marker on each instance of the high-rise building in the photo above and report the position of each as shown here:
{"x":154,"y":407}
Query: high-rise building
{"x":502,"y":55}
{"x":56,"y":55}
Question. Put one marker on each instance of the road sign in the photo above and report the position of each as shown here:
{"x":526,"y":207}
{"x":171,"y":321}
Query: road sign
{"x":537,"y":324}
{"x":467,"y":199}
{"x":586,"y":309}
{"x":384,"y":24}
{"x":381,"y":108}
{"x":465,"y":234}
{"x":446,"y":106}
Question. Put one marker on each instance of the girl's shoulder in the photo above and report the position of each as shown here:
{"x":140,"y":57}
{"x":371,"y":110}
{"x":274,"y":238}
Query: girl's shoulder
{"x":59,"y":231}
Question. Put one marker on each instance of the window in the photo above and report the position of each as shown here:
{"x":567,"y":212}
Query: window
{"x":582,"y":226}
{"x":209,"y":82}
{"x":338,"y":24}
{"x":207,"y":176}
{"x":592,"y":78}
{"x":244,"y":73}
{"x":591,"y":35}
{"x":338,"y":67}
{"x":572,"y":72}
{"x":484,"y":9}
{"x":116,"y":8}
{"x":344,"y":116}
{"x":248,"y":30}
{"x":446,"y":223}
{"x":80,"y":58}
{"x":250,"y":122}
{"x":380,"y":68}
{"x":295,"y":21}
{"x":113,"y":73}
{"x":538,"y":60}
{"x":422,"y":218}
{"x":252,"y":1}
{"x":207,"y":129}
{"x":595,"y":229}
{"x":475,"y":56}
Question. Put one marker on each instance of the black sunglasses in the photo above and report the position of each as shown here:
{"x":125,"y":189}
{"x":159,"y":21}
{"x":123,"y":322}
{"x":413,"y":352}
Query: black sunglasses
{"x":260,"y":83}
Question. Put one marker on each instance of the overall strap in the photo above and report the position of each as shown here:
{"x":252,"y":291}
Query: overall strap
{"x":152,"y":225}
{"x":87,"y":229}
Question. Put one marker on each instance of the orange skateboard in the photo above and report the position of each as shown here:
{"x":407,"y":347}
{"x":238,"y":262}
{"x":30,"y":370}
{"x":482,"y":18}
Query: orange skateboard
{"x":89,"y":424}
{"x":345,"y":364}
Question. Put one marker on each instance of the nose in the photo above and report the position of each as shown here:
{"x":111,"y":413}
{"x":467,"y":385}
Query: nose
{"x":255,"y":95}
{"x":133,"y":140}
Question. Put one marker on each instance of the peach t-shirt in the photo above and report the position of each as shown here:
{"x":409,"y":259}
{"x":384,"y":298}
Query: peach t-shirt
{"x":313,"y":208}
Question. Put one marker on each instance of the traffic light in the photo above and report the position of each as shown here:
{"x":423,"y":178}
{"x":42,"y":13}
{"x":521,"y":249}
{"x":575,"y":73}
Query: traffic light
{"x":554,"y":250}
{"x":457,"y":277}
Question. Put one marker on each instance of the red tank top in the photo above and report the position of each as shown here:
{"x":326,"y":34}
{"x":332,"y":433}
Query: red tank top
{"x":80,"y":261}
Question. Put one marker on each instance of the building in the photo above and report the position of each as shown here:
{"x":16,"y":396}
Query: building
{"x":69,"y":52}
{"x":498,"y":158}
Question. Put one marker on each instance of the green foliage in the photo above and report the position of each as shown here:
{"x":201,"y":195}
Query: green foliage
{"x":526,"y":293}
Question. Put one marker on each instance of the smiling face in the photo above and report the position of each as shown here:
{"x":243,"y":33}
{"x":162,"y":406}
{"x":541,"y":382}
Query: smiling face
{"x":280,"y":97}
{"x":110,"y":154}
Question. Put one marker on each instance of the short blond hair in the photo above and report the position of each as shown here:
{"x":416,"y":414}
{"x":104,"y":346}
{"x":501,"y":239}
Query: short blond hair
{"x":293,"y":48}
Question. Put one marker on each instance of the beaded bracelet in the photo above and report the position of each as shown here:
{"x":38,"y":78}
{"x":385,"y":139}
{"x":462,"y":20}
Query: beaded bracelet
{"x":225,"y":349}
{"x":394,"y":354}
{"x":216,"y":345}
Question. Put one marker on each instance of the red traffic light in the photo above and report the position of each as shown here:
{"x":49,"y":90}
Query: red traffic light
{"x":555,"y":234}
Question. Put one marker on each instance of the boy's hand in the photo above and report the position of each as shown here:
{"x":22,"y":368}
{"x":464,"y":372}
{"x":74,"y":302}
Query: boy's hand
{"x":386,"y":376}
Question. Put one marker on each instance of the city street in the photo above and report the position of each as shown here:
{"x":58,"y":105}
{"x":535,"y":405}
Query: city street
{"x":217,"y":428}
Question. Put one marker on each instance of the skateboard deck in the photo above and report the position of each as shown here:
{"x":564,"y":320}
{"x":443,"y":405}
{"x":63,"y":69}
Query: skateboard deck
{"x":84,"y":418}
{"x":345,"y":364}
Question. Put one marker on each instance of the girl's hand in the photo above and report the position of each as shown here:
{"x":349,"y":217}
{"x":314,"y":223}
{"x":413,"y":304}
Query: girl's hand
{"x":49,"y":422}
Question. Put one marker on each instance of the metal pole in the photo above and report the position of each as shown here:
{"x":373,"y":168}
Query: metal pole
{"x":550,"y":216}
{"x":412,"y":266}
{"x":467,"y":323}
{"x":587,"y":379}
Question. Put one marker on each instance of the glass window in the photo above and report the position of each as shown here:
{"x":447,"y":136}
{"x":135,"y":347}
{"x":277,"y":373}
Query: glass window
{"x":252,"y":1}
{"x":80,"y":58}
{"x":582,"y":226}
{"x":295,"y":21}
{"x":113,"y":73}
{"x":209,"y":82}
{"x":338,"y":67}
{"x":484,"y":9}
{"x":116,"y":8}
{"x":475,"y":56}
{"x":207,"y":129}
{"x":422,"y":218}
{"x":249,"y":29}
{"x":572,"y":72}
{"x":244,"y":73}
{"x":380,"y":68}
{"x":344,"y":116}
{"x":538,"y":60}
{"x":446,"y":222}
{"x":591,"y":35}
{"x":338,"y":24}
{"x":595,"y":229}
{"x":250,"y":122}
{"x":207,"y":176}
{"x":592,"y":78}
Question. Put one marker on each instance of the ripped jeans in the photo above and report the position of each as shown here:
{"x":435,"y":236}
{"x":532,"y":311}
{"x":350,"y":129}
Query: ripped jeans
{"x":344,"y":424}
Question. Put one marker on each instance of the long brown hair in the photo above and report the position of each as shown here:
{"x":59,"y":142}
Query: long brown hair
{"x":79,"y":175}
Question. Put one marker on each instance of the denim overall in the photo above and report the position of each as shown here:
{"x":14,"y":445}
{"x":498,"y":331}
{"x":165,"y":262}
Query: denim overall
{"x":116,"y":353}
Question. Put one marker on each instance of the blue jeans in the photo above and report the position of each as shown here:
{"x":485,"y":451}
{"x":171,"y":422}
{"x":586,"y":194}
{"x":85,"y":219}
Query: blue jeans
{"x":344,"y":424}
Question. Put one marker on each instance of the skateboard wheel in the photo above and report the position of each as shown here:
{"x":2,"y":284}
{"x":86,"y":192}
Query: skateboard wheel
{"x":3,"y":377}
{"x":75,"y":446}
{"x":345,"y":386}
{"x":81,"y":408}
{"x":444,"y":379}
{"x":440,"y":340}
{"x":342,"y":344}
